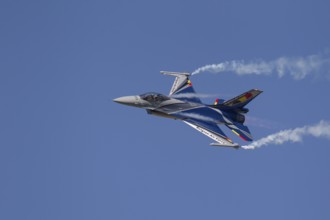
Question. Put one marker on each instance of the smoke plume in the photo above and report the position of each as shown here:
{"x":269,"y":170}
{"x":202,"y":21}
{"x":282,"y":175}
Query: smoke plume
{"x":297,"y":67}
{"x":192,"y":95}
{"x":260,"y":122}
{"x":322,"y":129}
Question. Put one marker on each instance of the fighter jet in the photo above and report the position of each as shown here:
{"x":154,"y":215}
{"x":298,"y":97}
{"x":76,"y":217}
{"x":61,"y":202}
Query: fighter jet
{"x":183,"y":104}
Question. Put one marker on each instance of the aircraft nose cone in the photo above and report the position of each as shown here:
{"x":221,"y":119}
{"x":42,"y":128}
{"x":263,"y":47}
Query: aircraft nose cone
{"x":126,"y":100}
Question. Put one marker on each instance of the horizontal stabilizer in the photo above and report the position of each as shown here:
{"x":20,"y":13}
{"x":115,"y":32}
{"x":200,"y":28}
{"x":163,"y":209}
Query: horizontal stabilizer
{"x":240,"y":130}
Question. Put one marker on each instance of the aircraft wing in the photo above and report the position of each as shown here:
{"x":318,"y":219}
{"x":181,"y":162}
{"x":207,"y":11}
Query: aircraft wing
{"x":212,"y":131}
{"x":182,"y":88}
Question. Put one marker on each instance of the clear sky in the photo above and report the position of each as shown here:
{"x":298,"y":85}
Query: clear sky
{"x":68,"y":152}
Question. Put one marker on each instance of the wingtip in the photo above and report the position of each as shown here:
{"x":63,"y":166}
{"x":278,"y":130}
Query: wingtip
{"x":175,"y":73}
{"x":259,"y":90}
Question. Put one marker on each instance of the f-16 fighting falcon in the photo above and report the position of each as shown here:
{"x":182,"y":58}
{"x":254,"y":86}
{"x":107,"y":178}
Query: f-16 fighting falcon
{"x":183,"y":104}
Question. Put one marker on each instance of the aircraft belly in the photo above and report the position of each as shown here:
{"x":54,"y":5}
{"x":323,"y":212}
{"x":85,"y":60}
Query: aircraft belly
{"x":160,"y":114}
{"x":202,"y":113}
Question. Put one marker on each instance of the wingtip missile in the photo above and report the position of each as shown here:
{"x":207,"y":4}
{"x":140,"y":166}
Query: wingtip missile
{"x":175,"y":73}
{"x":234,"y":145}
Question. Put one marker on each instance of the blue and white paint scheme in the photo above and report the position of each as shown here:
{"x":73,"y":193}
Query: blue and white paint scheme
{"x":183,"y":104}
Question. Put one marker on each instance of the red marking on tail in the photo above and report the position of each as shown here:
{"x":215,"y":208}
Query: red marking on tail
{"x":248,"y":95}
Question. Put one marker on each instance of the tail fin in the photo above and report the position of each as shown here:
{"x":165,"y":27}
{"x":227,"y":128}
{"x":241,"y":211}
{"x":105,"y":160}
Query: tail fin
{"x":241,"y":100}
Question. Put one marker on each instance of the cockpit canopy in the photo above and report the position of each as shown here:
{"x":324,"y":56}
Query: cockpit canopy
{"x":154,"y":97}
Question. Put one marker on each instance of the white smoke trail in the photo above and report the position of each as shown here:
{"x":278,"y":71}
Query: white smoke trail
{"x":260,"y":122}
{"x":192,"y":95}
{"x":322,"y":129}
{"x":298,"y":67}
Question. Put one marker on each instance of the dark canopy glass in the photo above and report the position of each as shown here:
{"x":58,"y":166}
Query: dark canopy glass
{"x":154,"y":97}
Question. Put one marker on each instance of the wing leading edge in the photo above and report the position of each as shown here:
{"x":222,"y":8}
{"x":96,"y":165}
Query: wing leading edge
{"x":212,"y":131}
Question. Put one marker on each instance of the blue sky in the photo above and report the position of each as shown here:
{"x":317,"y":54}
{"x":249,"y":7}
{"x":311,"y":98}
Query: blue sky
{"x":68,"y":152}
